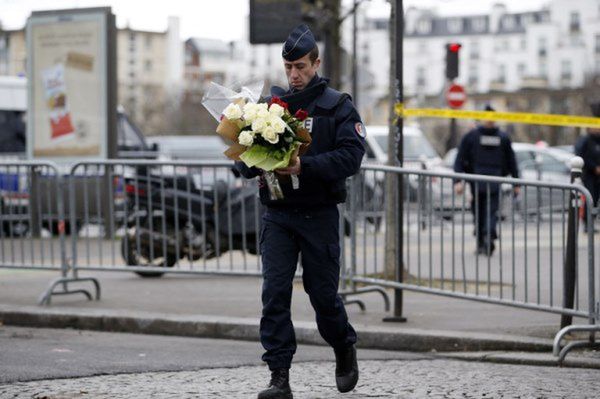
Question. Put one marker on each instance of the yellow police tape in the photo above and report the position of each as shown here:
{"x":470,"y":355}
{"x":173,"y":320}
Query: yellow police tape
{"x":514,"y":117}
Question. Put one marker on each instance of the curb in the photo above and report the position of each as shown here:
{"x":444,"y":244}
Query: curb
{"x":387,"y":338}
{"x":524,"y":358}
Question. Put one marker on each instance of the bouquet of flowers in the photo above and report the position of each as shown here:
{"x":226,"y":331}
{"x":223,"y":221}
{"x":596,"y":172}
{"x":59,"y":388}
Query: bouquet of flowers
{"x":263,"y":135}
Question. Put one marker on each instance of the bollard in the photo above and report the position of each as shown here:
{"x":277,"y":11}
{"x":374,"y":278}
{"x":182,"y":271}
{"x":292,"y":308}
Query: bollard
{"x":570,"y":267}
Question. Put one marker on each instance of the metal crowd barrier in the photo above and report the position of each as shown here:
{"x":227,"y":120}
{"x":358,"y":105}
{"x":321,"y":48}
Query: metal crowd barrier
{"x":152,"y":218}
{"x":542,"y":260}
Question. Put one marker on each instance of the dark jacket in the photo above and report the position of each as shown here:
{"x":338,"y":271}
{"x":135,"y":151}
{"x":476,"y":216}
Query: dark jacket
{"x":588,"y":148}
{"x":486,"y":152}
{"x":335,"y":153}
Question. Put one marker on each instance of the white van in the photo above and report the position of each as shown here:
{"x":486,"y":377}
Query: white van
{"x":416,"y":147}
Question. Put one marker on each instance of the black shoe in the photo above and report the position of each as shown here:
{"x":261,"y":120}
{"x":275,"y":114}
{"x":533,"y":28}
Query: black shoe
{"x":279,"y":387}
{"x":346,"y":369}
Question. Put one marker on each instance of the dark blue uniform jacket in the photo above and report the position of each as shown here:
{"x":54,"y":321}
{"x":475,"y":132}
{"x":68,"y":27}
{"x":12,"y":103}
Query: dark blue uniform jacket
{"x":486,"y":151}
{"x":335,"y":153}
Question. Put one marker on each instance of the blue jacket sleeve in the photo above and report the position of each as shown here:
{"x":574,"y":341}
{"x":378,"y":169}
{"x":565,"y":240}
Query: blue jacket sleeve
{"x":513,"y":168}
{"x":462,"y":163}
{"x":345,"y":159}
{"x":245,"y":171}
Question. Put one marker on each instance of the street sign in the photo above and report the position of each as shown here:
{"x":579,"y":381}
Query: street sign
{"x":271,"y":21}
{"x":456,"y":96}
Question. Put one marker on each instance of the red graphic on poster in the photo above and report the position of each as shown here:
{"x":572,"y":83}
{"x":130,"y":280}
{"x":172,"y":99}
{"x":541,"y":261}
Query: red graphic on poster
{"x":56,"y":100}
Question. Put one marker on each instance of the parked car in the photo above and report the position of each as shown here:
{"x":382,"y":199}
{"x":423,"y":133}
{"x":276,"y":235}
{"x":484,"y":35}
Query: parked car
{"x":416,"y":147}
{"x":534,"y":163}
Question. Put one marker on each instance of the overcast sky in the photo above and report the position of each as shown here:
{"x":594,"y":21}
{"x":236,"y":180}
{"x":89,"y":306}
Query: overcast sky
{"x":223,"y":18}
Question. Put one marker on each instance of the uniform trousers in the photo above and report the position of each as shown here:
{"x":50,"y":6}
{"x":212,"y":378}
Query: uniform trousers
{"x":313,"y":234}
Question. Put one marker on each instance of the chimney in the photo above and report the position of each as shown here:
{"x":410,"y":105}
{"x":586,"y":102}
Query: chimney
{"x":498,"y":11}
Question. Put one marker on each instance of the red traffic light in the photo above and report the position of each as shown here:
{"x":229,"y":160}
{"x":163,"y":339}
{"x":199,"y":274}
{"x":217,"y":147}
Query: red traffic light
{"x":454,"y":47}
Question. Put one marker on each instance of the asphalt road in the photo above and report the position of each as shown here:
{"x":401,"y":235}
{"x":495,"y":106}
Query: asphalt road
{"x":54,"y":364}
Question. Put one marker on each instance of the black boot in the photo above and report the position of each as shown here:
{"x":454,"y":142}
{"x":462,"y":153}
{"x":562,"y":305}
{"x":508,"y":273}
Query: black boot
{"x":279,"y":387}
{"x":346,"y":369}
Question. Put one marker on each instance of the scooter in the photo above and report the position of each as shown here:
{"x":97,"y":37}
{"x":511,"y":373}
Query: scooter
{"x":169,"y":218}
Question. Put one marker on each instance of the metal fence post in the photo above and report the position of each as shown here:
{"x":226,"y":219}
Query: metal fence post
{"x":570,"y":267}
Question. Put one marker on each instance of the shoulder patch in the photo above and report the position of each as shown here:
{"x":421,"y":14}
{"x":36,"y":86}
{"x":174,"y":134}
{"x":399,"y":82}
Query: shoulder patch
{"x":360,"y":129}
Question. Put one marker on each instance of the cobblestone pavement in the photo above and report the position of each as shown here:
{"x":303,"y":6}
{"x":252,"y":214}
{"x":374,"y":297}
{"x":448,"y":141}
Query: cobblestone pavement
{"x":379,"y":379}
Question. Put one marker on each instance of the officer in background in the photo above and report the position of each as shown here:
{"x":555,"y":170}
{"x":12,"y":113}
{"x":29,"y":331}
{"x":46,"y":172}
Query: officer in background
{"x":306,"y":220}
{"x":485,"y":150}
{"x":588,"y":148}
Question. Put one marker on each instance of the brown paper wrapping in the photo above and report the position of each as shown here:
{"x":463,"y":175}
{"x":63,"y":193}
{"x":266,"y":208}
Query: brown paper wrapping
{"x":303,"y":134}
{"x":228,"y":130}
{"x":234,"y":151}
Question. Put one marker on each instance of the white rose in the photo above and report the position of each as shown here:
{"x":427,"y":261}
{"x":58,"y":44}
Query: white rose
{"x":250,"y":111}
{"x":263,"y":111}
{"x":270,"y":135}
{"x":277,"y":123}
{"x":232,"y":112}
{"x":246,"y":138}
{"x":276,"y":110}
{"x":259,"y":124}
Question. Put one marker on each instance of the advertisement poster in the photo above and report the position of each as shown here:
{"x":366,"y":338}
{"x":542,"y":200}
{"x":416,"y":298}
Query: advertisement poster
{"x":67,"y":86}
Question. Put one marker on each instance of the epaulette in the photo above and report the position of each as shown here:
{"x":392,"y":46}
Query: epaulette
{"x":331,"y":98}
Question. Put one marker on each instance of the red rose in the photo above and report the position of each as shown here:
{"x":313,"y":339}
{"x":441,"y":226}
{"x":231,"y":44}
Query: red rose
{"x":301,"y":115}
{"x":277,"y":100}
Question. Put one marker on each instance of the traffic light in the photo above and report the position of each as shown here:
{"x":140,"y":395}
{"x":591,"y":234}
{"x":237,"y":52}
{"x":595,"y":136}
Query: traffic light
{"x":452,"y":51}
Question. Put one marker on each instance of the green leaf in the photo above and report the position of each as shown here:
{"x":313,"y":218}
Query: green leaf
{"x":254,"y":155}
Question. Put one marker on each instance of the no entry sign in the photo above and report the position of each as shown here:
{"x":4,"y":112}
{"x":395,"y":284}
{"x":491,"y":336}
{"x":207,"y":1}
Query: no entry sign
{"x":456,"y":96}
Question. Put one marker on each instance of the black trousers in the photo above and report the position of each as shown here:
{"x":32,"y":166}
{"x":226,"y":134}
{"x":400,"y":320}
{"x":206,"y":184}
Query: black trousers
{"x":484,"y":207}
{"x":314,"y":234}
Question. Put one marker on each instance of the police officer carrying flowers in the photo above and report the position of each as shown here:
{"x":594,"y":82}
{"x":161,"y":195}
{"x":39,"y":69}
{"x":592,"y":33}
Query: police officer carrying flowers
{"x":306,"y":220}
{"x":485,"y":151}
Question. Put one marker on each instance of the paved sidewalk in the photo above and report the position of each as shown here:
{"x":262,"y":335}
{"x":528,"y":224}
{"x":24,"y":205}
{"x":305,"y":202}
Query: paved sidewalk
{"x":229,"y":307}
{"x":439,"y":378}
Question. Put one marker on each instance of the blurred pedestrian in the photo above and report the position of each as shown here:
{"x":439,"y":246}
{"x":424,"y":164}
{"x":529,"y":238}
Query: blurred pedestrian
{"x":588,"y":148}
{"x":306,"y":220}
{"x":485,"y":150}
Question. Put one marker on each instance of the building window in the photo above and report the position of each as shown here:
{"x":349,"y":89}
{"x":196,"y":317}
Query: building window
{"x":420,"y":77}
{"x":521,"y":69}
{"x":508,"y":23}
{"x":422,"y":47}
{"x":148,"y":41}
{"x":574,"y":26}
{"x":455,"y":25}
{"x":501,"y":77}
{"x":148,"y":65}
{"x":523,"y":43}
{"x":131,"y":36}
{"x":474,"y":51}
{"x":473,"y":76}
{"x":565,"y":70}
{"x":543,"y":69}
{"x":542,"y":50}
{"x":424,"y":26}
{"x":478,"y":24}
{"x":381,"y":24}
{"x":597,"y":43}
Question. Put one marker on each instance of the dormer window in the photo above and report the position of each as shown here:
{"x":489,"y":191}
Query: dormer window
{"x":424,"y":26}
{"x":455,"y":25}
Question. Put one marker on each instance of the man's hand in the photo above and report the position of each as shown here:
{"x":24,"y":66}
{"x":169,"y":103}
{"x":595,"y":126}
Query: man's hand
{"x":292,"y":169}
{"x":597,"y":170}
{"x":517,"y":190}
{"x":459,"y":188}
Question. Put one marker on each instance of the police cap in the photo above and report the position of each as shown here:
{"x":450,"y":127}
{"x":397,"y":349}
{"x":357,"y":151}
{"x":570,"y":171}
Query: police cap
{"x":299,"y":43}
